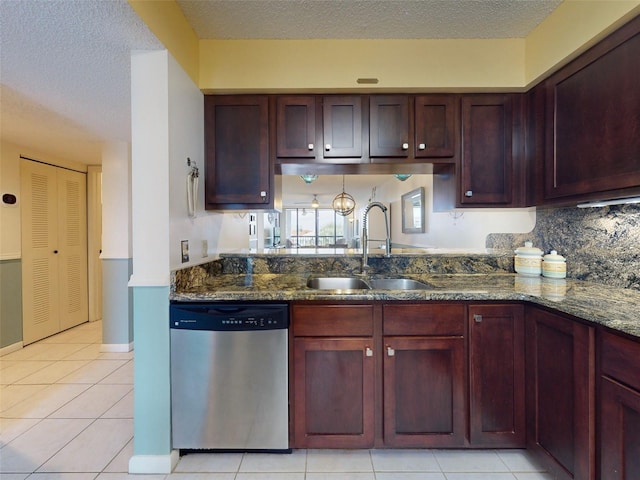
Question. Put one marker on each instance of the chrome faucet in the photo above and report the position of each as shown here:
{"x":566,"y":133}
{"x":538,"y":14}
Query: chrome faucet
{"x":365,"y":240}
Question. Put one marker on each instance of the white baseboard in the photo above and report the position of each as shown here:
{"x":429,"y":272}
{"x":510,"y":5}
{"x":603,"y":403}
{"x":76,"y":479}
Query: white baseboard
{"x":154,"y":463}
{"x":10,"y":348}
{"x":116,"y":347}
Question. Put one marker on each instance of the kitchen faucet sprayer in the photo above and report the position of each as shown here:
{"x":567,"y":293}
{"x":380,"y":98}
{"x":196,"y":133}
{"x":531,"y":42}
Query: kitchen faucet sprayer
{"x":365,"y":240}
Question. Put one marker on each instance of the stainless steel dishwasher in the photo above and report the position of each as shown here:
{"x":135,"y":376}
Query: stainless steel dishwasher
{"x":229,"y":376}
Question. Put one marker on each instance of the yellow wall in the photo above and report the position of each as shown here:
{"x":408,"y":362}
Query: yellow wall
{"x":571,"y":29}
{"x":165,"y":19}
{"x":269,"y":65}
{"x":407,"y":65}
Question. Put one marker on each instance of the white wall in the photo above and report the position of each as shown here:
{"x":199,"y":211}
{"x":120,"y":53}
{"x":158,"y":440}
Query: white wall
{"x":458,"y":229}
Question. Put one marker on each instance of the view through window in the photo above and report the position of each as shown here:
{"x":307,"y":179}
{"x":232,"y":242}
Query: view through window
{"x":315,"y":227}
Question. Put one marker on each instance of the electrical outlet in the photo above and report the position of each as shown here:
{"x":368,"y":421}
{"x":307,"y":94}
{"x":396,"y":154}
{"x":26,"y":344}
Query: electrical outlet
{"x":184,"y":248}
{"x":205,"y":248}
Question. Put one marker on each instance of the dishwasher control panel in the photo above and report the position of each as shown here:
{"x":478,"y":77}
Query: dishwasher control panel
{"x":226,"y":317}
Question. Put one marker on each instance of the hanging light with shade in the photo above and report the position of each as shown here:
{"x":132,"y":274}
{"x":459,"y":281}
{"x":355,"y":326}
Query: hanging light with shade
{"x":315,"y":203}
{"x":308,"y":178}
{"x":402,"y":176}
{"x":344,"y":203}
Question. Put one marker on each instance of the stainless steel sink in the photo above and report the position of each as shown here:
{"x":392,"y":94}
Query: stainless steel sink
{"x":337,"y":283}
{"x":357,"y":283}
{"x":397,"y":284}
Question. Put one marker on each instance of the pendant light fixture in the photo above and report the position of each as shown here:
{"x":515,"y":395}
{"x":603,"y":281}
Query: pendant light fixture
{"x":315,"y":203}
{"x":402,"y":176}
{"x":344,"y":203}
{"x":308,"y":178}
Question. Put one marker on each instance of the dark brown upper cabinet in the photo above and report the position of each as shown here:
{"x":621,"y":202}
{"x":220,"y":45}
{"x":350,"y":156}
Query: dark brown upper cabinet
{"x":436,"y":125}
{"x":487,"y":150}
{"x":238,"y":174}
{"x":342,"y":126}
{"x":296,"y":126}
{"x":389,"y":126}
{"x":593,"y":122}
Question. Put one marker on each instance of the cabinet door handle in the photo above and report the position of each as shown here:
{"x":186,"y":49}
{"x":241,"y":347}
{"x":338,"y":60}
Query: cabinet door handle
{"x":368,"y":352}
{"x":310,"y":146}
{"x":468,"y":193}
{"x":405,"y":146}
{"x":55,"y":251}
{"x":477,"y":318}
{"x":390,"y":351}
{"x":327,"y":146}
{"x":263,"y":195}
{"x":422,"y":146}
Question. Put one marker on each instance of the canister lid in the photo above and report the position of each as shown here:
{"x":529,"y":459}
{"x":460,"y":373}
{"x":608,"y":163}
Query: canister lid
{"x":528,"y":250}
{"x":553,"y":256}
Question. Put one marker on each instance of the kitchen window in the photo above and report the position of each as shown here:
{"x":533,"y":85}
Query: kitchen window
{"x":314,"y":227}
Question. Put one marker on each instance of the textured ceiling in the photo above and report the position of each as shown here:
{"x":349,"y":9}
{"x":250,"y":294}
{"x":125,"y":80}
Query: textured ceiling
{"x":65,"y":64}
{"x":365,"y":19}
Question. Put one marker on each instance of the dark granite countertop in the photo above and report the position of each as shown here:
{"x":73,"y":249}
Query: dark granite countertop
{"x":616,"y":308}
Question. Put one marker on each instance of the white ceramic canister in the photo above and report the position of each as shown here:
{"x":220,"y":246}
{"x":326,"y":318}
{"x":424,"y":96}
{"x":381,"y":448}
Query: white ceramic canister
{"x":554,"y":265}
{"x":528,"y":260}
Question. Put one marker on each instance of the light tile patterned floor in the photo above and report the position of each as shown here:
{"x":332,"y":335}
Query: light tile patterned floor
{"x":66,"y":414}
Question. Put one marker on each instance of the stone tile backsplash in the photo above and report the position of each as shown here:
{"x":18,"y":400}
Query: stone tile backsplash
{"x":601,"y":245}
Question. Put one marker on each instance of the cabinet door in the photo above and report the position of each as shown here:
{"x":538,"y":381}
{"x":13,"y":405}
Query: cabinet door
{"x":389,"y":126}
{"x":619,"y":432}
{"x":487,"y":160}
{"x":436,"y":123}
{"x":237,"y":171}
{"x":334,"y":392}
{"x":560,"y":377}
{"x":496,"y":367}
{"x":592,"y":120}
{"x":342,"y":126}
{"x":424,"y":392}
{"x":296,"y":126}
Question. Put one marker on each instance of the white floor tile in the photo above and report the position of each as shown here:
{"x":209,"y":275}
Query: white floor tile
{"x":123,"y":375}
{"x":520,"y":461}
{"x":410,"y":476}
{"x":93,"y":402}
{"x":209,"y":462}
{"x":46,"y":351}
{"x":270,"y":476}
{"x":116,"y":356}
{"x":90,"y":352}
{"x":11,"y":428}
{"x":94,"y":371}
{"x":53,"y":372}
{"x":11,"y":395}
{"x":126,"y":476}
{"x":122,"y":409}
{"x":93,"y":449}
{"x":480,"y":476}
{"x":31,"y":449}
{"x":469,"y":461}
{"x":18,"y":370}
{"x":197,"y":476}
{"x":63,"y":476}
{"x":14,"y":476}
{"x":120,"y":464}
{"x":404,"y":461}
{"x":274,"y":462}
{"x":339,"y":461}
{"x":47,"y":401}
{"x":340,"y":476}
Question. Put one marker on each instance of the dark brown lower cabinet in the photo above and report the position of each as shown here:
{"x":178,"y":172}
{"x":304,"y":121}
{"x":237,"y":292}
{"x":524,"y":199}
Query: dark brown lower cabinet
{"x":561,"y":394}
{"x":424,"y":392}
{"x":496,"y":376}
{"x":334,"y":392}
{"x":619,"y":433}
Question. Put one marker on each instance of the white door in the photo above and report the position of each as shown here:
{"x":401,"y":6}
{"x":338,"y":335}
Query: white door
{"x":54,"y":246}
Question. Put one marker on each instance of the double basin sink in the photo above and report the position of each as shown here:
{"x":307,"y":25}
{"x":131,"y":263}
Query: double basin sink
{"x":358,"y":283}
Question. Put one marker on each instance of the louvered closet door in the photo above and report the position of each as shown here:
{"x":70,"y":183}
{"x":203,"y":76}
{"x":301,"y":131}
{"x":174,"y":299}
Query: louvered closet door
{"x":40,"y":292}
{"x":72,"y":242}
{"x":54,"y":250}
